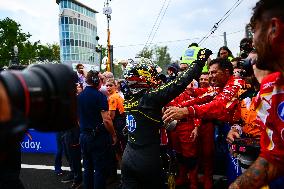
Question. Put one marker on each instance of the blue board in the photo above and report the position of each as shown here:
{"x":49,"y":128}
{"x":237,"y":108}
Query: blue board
{"x":39,"y":142}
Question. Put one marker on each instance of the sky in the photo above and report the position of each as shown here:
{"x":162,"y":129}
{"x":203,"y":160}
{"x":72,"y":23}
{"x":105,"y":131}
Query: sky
{"x":181,"y":22}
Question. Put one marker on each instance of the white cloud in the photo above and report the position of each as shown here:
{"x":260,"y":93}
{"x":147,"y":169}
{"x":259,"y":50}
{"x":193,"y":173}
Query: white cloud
{"x":132,"y":21}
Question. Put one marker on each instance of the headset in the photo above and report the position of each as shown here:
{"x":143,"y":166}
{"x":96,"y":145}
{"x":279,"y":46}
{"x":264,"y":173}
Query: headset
{"x":94,"y":78}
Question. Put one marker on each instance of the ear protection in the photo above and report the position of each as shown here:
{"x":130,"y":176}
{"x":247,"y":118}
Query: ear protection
{"x":95,"y":78}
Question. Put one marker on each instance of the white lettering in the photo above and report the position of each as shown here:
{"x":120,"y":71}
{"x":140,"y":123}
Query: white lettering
{"x":282,"y":112}
{"x":30,"y":144}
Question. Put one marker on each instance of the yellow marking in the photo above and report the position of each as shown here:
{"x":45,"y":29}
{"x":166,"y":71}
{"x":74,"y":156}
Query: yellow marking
{"x":149,"y":117}
{"x":144,"y":73}
{"x":131,"y":104}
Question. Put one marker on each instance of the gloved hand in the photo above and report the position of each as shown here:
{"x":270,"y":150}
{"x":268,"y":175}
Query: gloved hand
{"x":203,"y":55}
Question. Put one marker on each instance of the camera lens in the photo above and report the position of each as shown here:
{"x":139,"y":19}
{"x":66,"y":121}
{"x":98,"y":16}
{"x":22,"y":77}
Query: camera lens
{"x":45,"y":94}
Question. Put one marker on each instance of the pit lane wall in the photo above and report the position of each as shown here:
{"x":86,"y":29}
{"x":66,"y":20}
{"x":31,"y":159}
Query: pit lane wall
{"x":39,"y":142}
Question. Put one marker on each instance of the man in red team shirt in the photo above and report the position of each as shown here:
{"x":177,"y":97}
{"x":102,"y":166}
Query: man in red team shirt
{"x":268,"y":26}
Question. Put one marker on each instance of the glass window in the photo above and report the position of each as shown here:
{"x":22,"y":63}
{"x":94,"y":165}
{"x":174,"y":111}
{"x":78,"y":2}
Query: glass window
{"x":69,"y":5}
{"x":68,"y":49}
{"x":70,"y":20}
{"x":72,"y":42}
{"x":63,"y":50}
{"x":62,"y":19}
{"x":66,"y":27}
{"x":64,"y":43}
{"x":85,"y":23}
{"x":66,"y":20}
{"x":67,"y":42}
{"x":82,"y":23}
{"x":76,"y":42}
{"x":86,"y":44}
{"x":72,"y":35}
{"x":67,"y":35}
{"x":65,"y":4}
{"x":73,"y":57}
{"x":68,"y":57}
{"x":75,"y":21}
{"x":77,"y":57}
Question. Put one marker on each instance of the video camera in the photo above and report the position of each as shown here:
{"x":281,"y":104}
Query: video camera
{"x":42,"y":97}
{"x":245,"y":63}
{"x":245,"y":47}
{"x":246,"y":146}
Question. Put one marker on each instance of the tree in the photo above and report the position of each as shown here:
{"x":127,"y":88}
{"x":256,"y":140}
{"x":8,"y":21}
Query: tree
{"x":158,"y":54}
{"x":10,"y":35}
{"x":146,"y":53}
{"x":29,"y":52}
{"x":163,"y":58}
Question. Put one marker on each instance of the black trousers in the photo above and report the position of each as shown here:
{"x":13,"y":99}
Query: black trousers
{"x":141,"y":167}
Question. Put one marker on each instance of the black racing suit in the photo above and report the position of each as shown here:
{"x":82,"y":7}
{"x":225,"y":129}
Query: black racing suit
{"x":141,"y":165}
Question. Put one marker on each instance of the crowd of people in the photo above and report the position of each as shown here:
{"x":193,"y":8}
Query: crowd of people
{"x":236,"y":97}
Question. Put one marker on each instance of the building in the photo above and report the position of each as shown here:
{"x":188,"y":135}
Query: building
{"x":78,"y":31}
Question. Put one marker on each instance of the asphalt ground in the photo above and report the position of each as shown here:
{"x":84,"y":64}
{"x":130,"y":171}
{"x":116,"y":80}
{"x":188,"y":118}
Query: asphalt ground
{"x":38,"y":173}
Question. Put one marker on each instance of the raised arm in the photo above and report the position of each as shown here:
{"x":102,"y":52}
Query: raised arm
{"x":167,"y":92}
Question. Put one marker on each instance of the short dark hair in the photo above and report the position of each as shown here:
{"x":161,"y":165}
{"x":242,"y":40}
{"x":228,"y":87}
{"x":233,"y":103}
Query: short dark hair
{"x":226,"y":49}
{"x":92,"y":77}
{"x":272,"y":8}
{"x":78,"y":65}
{"x":223,"y":64}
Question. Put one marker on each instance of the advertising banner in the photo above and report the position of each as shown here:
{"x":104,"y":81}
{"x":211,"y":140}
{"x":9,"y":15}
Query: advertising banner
{"x":39,"y":142}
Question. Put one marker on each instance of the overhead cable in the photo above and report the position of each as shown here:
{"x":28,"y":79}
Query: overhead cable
{"x":224,"y":17}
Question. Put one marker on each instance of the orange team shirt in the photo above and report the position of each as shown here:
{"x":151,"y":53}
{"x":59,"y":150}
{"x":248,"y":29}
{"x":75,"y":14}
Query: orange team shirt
{"x":248,"y":115}
{"x":115,"y":102}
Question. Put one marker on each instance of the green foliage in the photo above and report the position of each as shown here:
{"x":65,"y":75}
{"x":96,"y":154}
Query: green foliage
{"x":158,"y":54}
{"x":163,"y":58}
{"x":146,"y":53}
{"x":11,"y":34}
{"x":117,"y":71}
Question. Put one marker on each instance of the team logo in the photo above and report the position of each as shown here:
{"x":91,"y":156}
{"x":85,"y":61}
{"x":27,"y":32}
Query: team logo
{"x":280,"y":111}
{"x":189,"y":52}
{"x":130,"y":123}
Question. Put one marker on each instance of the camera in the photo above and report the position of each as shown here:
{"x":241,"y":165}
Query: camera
{"x":42,"y":97}
{"x":245,"y":47}
{"x":246,"y":66}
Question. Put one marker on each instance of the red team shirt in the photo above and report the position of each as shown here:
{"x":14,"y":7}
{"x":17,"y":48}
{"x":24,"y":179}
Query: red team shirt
{"x":270,"y":114}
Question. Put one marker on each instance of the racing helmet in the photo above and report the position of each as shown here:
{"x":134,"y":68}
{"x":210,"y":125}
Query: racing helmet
{"x":140,"y":74}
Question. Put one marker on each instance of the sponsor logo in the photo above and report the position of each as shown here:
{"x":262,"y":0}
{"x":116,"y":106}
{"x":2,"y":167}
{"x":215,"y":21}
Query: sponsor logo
{"x":280,"y":111}
{"x":189,"y":52}
{"x":30,"y":145}
{"x":268,"y":85}
{"x":130,"y":123}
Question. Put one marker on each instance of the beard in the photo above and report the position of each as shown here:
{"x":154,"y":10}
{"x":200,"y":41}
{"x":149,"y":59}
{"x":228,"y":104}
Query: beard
{"x":266,"y":56}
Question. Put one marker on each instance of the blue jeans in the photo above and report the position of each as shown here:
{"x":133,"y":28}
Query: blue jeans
{"x":96,"y":153}
{"x":73,"y":152}
{"x":59,"y":153}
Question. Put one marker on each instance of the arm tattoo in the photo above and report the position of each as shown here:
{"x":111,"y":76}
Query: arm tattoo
{"x":259,"y":174}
